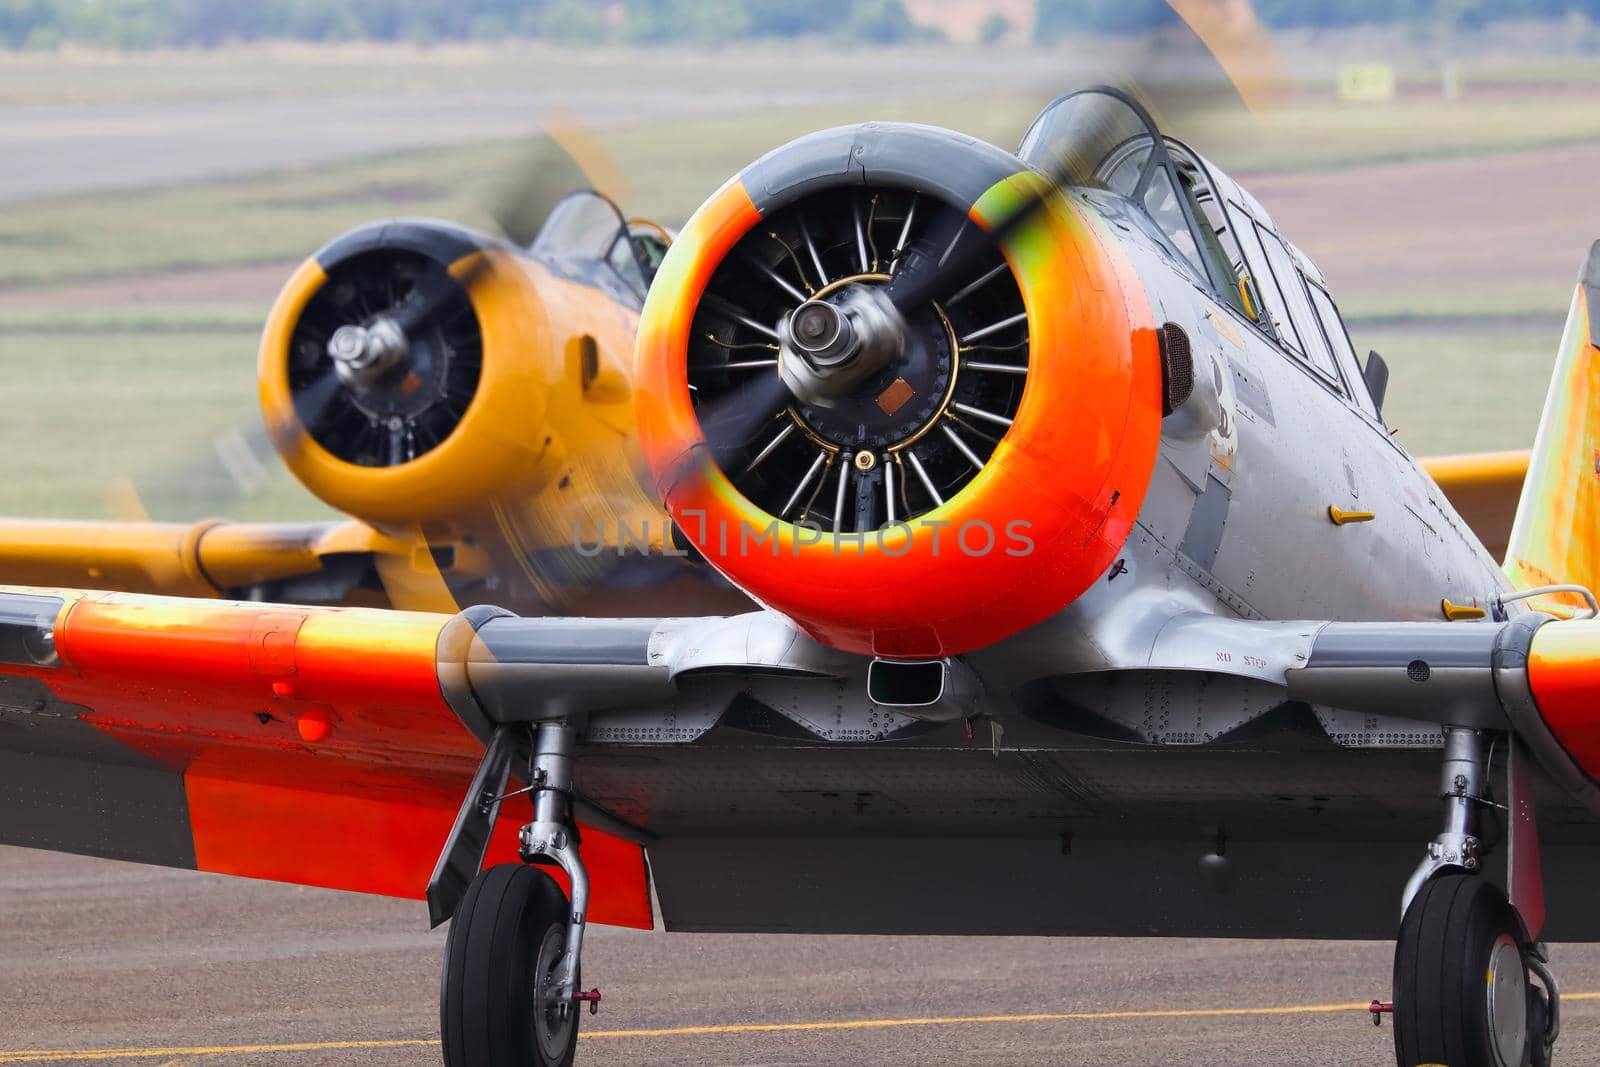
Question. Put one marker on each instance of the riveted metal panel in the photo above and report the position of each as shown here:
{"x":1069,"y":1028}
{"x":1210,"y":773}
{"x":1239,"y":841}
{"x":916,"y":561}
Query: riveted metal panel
{"x":1207,"y":522}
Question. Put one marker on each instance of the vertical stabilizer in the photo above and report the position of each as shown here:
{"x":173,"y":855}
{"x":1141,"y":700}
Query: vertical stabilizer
{"x":1555,"y":538}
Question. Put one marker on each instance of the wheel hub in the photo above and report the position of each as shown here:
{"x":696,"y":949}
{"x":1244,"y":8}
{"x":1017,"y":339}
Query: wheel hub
{"x":553,"y":1016}
{"x":1507,"y":994}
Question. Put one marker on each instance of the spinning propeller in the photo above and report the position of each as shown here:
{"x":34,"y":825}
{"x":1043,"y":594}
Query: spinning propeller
{"x":393,"y":357}
{"x":830,"y":345}
{"x":399,"y":351}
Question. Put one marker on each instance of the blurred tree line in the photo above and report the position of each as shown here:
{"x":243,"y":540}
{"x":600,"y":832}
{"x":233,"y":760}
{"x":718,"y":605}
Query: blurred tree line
{"x":1059,"y":17}
{"x":150,"y":23}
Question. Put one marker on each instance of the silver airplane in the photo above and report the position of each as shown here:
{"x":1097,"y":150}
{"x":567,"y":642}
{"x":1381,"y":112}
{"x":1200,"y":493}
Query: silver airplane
{"x":1095,"y":598}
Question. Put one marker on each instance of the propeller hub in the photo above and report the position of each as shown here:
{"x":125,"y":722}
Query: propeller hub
{"x":363,"y":354}
{"x":822,"y":333}
{"x":828,"y":348}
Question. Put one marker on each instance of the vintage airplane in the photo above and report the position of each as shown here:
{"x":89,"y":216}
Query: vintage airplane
{"x":1096,"y":599}
{"x":464,"y":478}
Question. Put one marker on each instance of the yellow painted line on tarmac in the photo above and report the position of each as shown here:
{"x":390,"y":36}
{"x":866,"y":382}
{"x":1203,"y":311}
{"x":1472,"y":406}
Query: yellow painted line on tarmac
{"x":92,"y":1055}
{"x":971,"y":1020}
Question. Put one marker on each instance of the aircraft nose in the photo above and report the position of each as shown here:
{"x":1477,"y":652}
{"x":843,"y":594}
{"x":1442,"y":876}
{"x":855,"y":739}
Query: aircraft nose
{"x":972,"y":484}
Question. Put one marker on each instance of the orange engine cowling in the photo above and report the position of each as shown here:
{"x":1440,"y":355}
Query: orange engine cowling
{"x":460,"y":424}
{"x":975,"y":485}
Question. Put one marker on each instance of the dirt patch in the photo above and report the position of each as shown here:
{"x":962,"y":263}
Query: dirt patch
{"x":1426,"y":232}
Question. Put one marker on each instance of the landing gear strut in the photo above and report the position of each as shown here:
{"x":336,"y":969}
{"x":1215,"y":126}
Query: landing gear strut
{"x":1463,"y":965}
{"x":510,"y":992}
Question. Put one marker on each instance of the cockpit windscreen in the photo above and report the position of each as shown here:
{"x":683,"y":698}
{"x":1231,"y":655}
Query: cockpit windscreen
{"x":587,"y":239}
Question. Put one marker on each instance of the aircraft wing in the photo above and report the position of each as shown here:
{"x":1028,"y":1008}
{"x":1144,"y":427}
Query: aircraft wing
{"x":306,"y":745}
{"x":1484,"y":488}
{"x":335,"y":746}
{"x":316,"y":562}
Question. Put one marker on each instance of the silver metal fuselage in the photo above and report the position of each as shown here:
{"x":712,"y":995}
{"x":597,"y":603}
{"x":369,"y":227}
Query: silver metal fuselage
{"x":1076,"y":775}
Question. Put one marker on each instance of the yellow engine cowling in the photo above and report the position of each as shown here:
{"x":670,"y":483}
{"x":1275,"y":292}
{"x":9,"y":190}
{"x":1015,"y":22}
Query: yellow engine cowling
{"x":477,"y":435}
{"x":524,"y":456}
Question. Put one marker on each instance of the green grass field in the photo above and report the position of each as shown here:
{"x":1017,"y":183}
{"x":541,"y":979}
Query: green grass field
{"x":107,"y":387}
{"x":92,"y":411}
{"x":1464,"y":389}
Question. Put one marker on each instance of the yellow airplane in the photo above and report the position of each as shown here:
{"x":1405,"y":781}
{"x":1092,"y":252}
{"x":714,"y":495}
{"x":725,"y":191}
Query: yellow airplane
{"x":466,"y":401}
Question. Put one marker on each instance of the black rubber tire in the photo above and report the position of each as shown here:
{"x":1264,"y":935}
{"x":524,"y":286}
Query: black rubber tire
{"x":1440,"y":962}
{"x":486,"y":992}
{"x":1538,"y":1025}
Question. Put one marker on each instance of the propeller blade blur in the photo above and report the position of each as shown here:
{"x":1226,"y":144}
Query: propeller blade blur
{"x":739,"y":417}
{"x":557,"y":162}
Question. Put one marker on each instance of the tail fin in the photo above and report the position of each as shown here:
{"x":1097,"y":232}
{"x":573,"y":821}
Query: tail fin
{"x":1555,"y":538}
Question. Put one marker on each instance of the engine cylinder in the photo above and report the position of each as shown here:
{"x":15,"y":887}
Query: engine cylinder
{"x":977,"y":484}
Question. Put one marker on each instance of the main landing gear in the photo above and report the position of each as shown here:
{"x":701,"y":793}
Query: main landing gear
{"x":510,"y":992}
{"x":1471,"y":987}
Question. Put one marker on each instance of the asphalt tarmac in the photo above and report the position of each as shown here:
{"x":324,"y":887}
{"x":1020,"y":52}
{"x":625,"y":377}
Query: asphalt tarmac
{"x":105,"y":962}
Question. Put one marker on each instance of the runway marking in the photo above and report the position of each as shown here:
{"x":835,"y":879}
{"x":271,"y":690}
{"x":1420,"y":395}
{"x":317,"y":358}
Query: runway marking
{"x":91,"y":1055}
